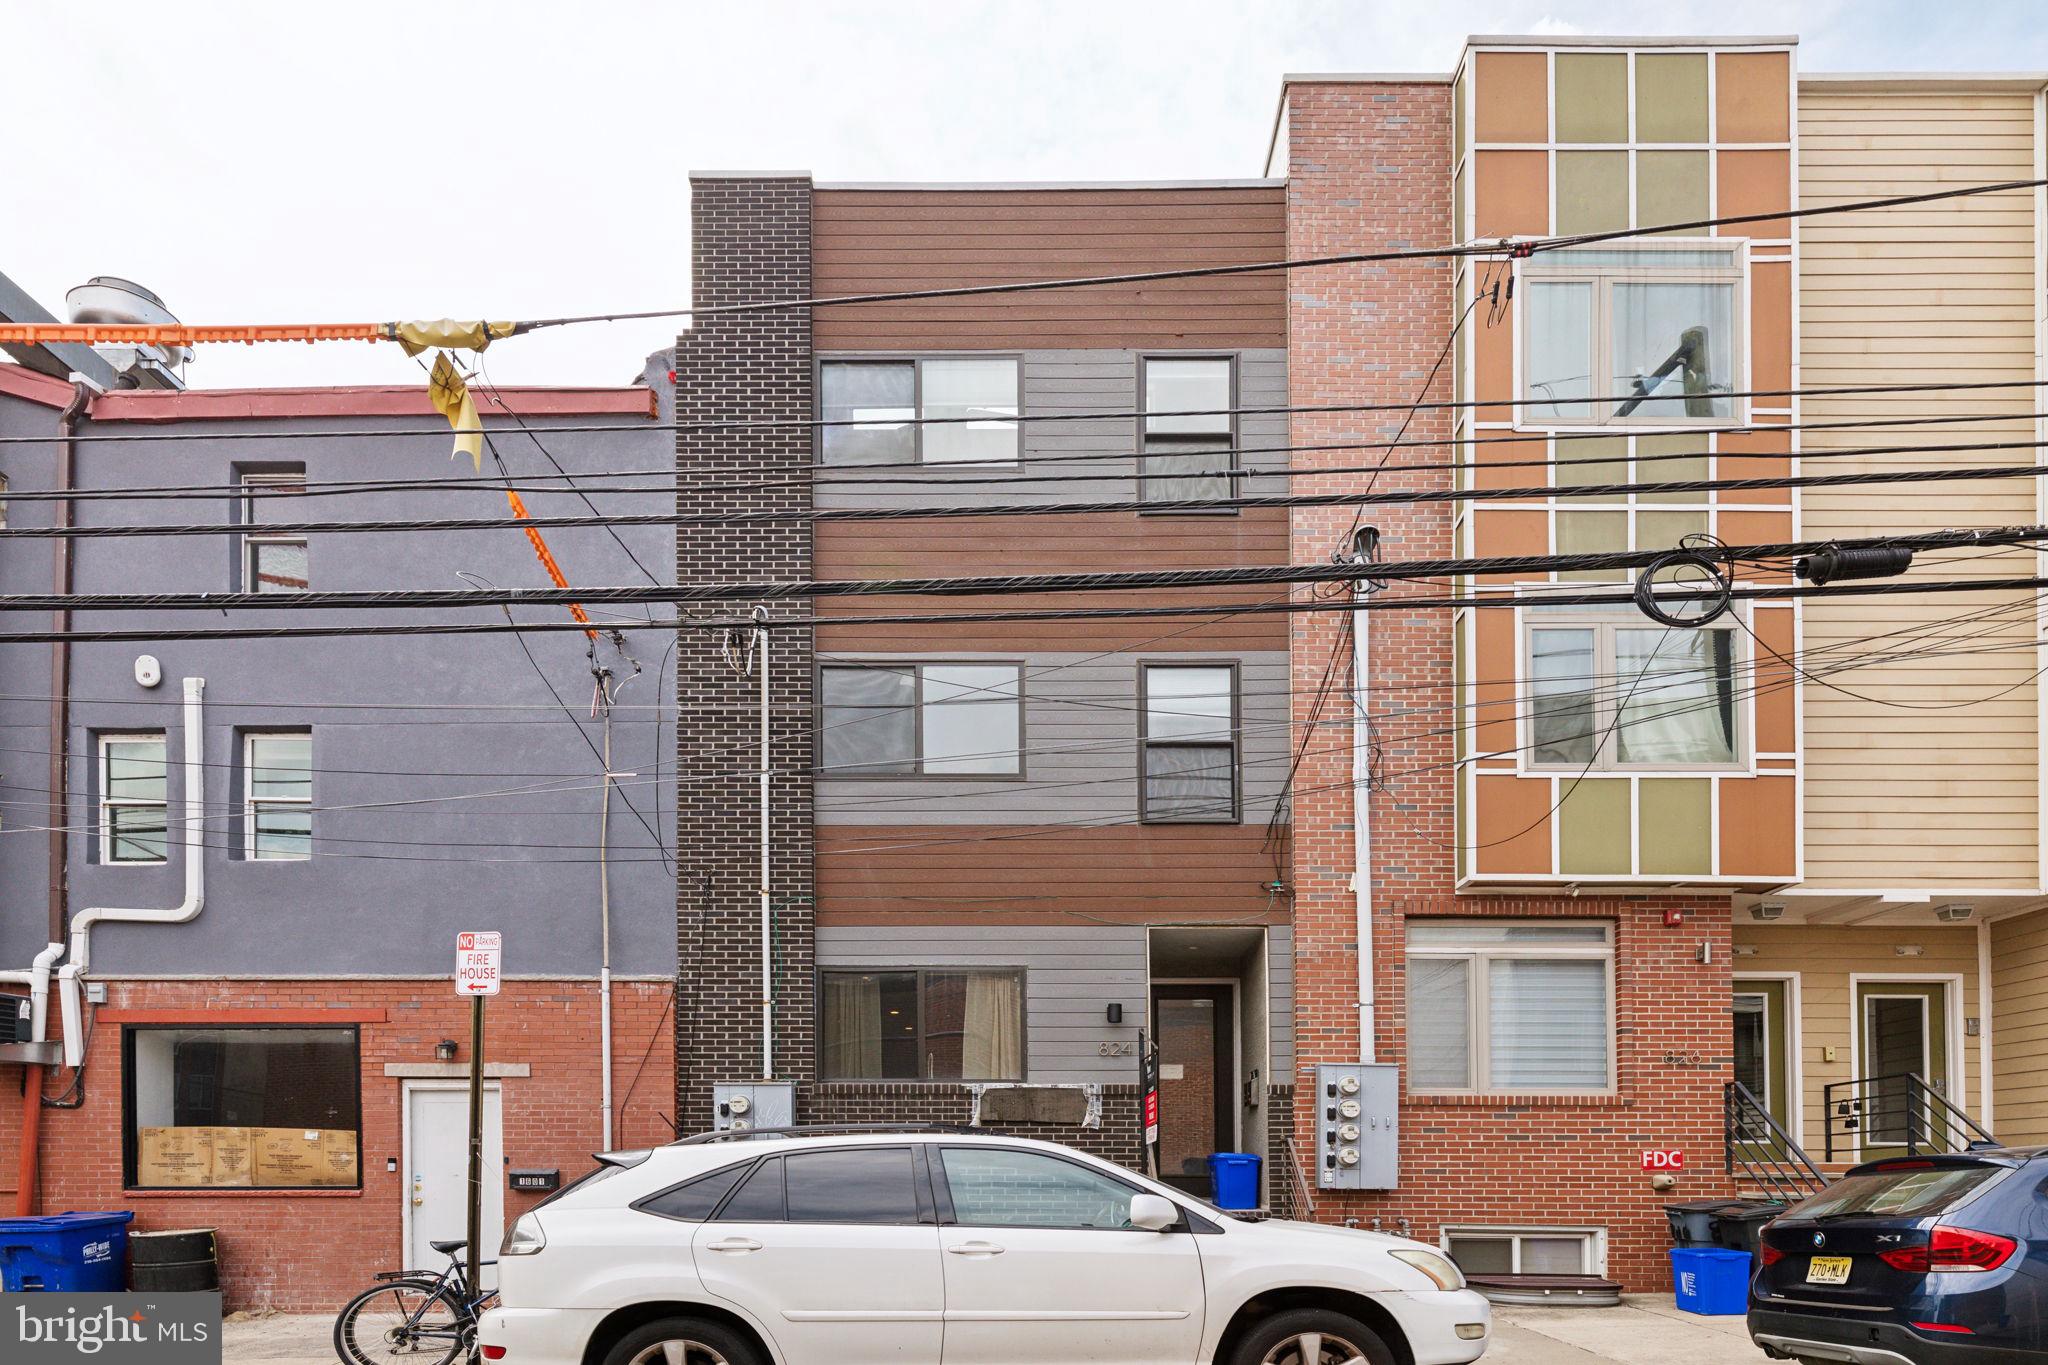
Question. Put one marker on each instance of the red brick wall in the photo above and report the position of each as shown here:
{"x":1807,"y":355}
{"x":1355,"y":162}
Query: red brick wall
{"x":1370,"y":169}
{"x":299,"y":1251}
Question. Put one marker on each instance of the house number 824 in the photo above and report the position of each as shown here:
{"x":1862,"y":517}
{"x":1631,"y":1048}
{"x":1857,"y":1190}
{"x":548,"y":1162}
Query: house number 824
{"x":1115,"y":1049}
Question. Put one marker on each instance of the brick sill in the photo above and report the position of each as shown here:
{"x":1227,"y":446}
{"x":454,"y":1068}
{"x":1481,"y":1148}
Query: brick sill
{"x":1517,"y":1101}
{"x":242,"y":1194}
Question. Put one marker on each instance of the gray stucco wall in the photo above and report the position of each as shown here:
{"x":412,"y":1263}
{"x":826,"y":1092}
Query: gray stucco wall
{"x":450,"y":789}
{"x":1081,"y":715}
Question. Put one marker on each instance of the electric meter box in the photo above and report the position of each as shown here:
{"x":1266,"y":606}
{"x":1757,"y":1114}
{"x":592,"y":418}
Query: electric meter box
{"x":740,"y":1105}
{"x":1358,"y":1133}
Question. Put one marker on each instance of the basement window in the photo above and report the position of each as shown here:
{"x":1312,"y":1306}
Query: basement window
{"x":1657,"y":327}
{"x":235,"y":1108}
{"x":1523,"y":1251}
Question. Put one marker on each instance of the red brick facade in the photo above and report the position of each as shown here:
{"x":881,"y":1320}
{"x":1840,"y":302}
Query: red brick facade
{"x":311,"y":1251}
{"x":1369,"y":169}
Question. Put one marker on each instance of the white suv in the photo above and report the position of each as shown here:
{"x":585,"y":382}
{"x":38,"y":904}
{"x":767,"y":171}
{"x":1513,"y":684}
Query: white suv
{"x":924,"y":1246}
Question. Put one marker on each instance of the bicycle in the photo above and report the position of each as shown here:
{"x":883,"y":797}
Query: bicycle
{"x":413,"y":1317}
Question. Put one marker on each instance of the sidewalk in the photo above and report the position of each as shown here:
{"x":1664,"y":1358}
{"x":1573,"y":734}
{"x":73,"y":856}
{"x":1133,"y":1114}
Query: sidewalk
{"x":1646,"y":1330}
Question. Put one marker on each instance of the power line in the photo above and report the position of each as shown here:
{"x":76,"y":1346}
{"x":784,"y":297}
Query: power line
{"x":938,"y":511}
{"x":1504,"y":247}
{"x":95,"y":434}
{"x":960,"y":474}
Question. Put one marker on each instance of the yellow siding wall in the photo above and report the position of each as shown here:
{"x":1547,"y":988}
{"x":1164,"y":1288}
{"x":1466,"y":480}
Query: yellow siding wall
{"x":2019,"y":1036}
{"x":1894,"y":795}
{"x":1824,"y":956}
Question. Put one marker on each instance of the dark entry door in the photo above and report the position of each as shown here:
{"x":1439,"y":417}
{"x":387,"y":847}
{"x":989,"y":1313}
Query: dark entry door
{"x":1197,"y":1082}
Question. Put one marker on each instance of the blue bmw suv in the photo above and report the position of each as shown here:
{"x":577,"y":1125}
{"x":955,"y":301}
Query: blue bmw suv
{"x":1930,"y":1260}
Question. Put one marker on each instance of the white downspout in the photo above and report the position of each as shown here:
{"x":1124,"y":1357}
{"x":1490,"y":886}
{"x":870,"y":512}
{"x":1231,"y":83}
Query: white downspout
{"x":1361,"y":807}
{"x":37,"y":979}
{"x":195,"y":877}
{"x":767,"y":927}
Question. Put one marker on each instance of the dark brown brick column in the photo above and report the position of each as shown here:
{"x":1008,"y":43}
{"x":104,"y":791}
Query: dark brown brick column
{"x":750,"y":240}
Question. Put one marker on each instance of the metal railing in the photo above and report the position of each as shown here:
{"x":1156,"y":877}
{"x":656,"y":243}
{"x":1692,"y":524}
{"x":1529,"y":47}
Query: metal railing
{"x":1304,"y":1209}
{"x":1759,"y":1148}
{"x":1874,"y":1114}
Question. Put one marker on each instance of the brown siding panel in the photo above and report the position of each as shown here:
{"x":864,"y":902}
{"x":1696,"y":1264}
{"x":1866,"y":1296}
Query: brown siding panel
{"x":875,"y":240}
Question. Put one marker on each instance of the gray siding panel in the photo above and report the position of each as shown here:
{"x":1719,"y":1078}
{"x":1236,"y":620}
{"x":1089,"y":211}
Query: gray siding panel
{"x":1071,"y":974}
{"x":1080,"y":737}
{"x":1081,"y":381}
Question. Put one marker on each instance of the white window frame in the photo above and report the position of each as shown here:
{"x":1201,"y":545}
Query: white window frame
{"x":108,"y":801}
{"x":1593,"y":1262}
{"x":1478,"y":956}
{"x":251,"y":802}
{"x":1544,"y":268}
{"x":917,"y":363}
{"x":1610,"y":690}
{"x":253,"y":536}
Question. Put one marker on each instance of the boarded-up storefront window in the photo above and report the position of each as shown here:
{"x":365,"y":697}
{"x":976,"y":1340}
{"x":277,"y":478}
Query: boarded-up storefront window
{"x":238,"y":1108}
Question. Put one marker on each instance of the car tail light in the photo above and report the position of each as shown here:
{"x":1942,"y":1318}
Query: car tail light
{"x":1952,"y":1328}
{"x":1769,"y":1254}
{"x":1953,"y":1249}
{"x":494,"y":1353}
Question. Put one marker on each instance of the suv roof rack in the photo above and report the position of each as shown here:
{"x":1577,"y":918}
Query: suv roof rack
{"x":821,"y":1130}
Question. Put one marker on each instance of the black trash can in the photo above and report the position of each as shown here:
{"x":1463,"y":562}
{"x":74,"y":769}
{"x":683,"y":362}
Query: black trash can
{"x":1692,"y":1223}
{"x":1739,"y":1226}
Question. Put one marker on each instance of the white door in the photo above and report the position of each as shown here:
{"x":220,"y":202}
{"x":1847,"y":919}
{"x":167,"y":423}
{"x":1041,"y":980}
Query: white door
{"x":1040,"y":1266}
{"x":835,"y":1253}
{"x":437,"y":1188}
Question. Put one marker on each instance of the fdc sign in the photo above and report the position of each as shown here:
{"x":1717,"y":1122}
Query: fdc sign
{"x":479,"y":956}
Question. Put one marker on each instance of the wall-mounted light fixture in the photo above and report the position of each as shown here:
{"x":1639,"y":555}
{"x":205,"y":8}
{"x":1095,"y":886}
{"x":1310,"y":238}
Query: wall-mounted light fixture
{"x":444,"y":1051}
{"x":1955,"y":912}
{"x":1115,"y":1013}
{"x":1767,"y":910}
{"x":1908,"y":950}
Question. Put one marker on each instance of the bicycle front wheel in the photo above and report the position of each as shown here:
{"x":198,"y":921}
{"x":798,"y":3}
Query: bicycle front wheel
{"x":402,"y":1322}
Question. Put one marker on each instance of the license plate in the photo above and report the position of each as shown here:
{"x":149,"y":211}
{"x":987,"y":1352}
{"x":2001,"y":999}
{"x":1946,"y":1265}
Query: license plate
{"x":1829,"y":1269}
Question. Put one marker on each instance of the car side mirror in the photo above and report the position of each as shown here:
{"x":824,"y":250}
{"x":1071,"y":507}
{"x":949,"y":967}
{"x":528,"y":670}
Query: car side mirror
{"x":1153,"y":1213}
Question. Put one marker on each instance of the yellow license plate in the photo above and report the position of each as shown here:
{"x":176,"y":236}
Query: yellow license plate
{"x":1829,"y":1269}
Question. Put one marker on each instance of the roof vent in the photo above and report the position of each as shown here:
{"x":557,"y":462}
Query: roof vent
{"x":111,"y":299}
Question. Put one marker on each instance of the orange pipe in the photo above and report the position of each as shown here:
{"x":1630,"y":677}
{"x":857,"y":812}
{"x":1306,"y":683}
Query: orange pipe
{"x":31,"y":1139}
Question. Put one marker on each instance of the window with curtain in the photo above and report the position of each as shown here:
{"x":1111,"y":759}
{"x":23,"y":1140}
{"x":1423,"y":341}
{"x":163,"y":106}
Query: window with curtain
{"x":277,"y":799}
{"x":134,"y":799}
{"x":928,"y":1025}
{"x":1656,"y":328}
{"x":931,"y":410}
{"x":1189,"y":743}
{"x":1614,"y":693}
{"x":933,"y":720}
{"x":1189,"y":434}
{"x":1510,"y":1006}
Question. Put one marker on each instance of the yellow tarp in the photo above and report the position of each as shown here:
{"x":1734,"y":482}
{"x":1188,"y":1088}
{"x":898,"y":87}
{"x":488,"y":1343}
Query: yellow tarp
{"x":451,"y":398}
{"x":419,"y":337}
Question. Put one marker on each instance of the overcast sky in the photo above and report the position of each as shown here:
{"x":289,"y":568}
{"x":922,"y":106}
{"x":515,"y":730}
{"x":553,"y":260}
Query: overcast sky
{"x":282,"y":162}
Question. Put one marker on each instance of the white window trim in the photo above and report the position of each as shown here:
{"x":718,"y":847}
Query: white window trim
{"x":253,"y":537}
{"x":917,"y":361}
{"x":1594,"y":1261}
{"x":1540,"y":270}
{"x":107,"y":801}
{"x":1604,"y":621}
{"x":251,"y":802}
{"x":1478,"y":956}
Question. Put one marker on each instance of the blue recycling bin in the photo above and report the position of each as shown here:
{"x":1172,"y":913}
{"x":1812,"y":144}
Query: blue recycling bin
{"x":1236,"y":1177}
{"x":68,"y":1253}
{"x":1711,"y":1281}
